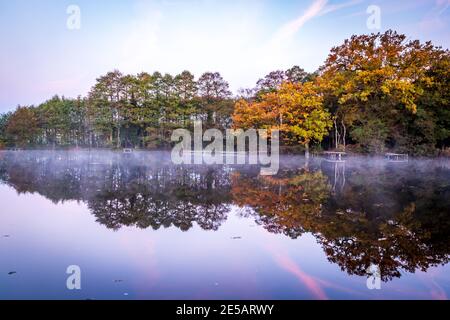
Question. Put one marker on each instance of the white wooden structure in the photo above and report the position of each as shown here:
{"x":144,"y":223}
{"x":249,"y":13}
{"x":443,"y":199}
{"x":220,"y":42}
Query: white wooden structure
{"x":397,"y":157}
{"x":334,"y":156}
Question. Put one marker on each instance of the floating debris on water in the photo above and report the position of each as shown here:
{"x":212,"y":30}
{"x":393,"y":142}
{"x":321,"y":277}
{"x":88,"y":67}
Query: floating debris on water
{"x":236,"y":238}
{"x":11,"y":273}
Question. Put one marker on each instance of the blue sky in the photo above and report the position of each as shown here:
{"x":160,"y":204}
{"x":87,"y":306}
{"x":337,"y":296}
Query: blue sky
{"x":242,"y":39}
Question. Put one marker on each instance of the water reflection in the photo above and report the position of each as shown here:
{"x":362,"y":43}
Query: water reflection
{"x":396,"y":218}
{"x":361,"y":212}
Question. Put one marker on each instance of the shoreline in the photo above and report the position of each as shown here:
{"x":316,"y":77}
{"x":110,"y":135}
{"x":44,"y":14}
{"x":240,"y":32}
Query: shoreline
{"x":295,"y":154}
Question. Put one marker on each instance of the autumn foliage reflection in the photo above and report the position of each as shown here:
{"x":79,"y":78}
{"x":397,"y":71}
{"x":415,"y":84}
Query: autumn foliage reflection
{"x":408,"y":231}
{"x":361,"y":213}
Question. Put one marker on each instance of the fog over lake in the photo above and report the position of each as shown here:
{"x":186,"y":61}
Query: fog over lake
{"x":140,"y":227}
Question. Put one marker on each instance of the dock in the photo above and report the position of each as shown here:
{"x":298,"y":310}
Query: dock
{"x":334,"y":156}
{"x":397,"y":157}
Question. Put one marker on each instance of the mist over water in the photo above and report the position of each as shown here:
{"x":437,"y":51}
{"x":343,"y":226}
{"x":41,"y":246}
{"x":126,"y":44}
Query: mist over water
{"x":141,"y":226}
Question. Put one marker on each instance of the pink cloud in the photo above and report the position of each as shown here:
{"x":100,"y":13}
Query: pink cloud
{"x":285,"y":262}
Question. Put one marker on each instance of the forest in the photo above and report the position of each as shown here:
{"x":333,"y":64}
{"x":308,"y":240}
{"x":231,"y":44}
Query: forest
{"x":374,"y":93}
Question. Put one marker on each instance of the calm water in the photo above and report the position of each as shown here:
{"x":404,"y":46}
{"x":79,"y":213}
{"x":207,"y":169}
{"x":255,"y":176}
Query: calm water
{"x":140,"y":228}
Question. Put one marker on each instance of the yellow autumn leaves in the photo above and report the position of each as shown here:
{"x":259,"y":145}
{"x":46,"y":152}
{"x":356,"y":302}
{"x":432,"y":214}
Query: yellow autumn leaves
{"x":296,"y":109}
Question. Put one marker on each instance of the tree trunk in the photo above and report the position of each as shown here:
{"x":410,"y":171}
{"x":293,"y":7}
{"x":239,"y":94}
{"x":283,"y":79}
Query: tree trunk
{"x":336,"y":134}
{"x":118,"y":137}
{"x":307,"y":151}
{"x":344,"y":134}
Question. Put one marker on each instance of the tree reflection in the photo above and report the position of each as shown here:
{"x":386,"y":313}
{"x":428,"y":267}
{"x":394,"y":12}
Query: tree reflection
{"x":150,"y":199}
{"x":286,"y":203}
{"x":395,"y":217}
{"x":122,"y":192}
{"x":383,"y":216}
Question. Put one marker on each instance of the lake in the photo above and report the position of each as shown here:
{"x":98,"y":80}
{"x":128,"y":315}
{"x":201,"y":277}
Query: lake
{"x":139,"y":227}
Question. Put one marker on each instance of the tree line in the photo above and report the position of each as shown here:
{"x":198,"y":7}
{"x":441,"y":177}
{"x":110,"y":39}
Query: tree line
{"x":122,"y":111}
{"x":374,"y":93}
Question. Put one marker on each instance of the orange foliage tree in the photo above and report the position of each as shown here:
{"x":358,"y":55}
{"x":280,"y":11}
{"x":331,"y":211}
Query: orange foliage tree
{"x":296,"y":109}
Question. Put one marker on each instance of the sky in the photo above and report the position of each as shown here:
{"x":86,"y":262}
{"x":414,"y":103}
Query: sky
{"x":41,"y":54}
